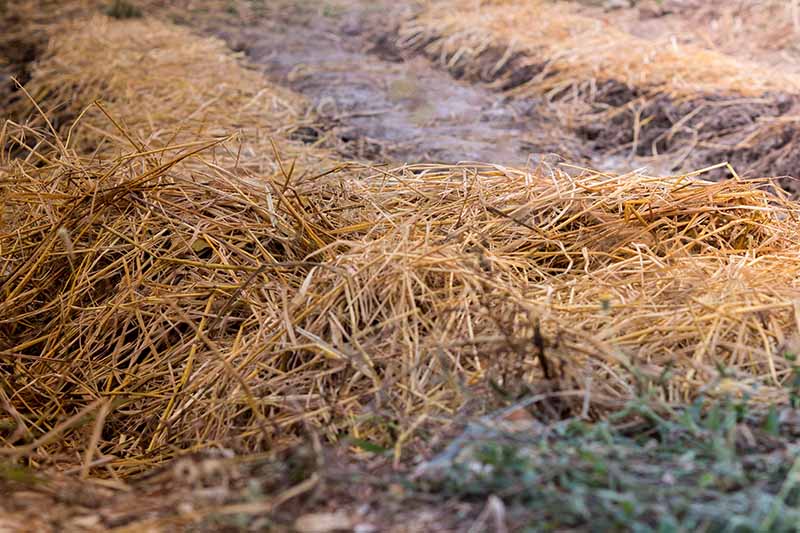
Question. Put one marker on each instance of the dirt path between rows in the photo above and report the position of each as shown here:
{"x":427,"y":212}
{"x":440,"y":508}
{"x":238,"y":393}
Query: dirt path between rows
{"x":371,"y":102}
{"x":373,"y":105}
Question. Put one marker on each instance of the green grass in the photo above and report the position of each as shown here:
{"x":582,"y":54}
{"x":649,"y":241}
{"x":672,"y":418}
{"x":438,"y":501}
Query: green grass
{"x":712,"y":466}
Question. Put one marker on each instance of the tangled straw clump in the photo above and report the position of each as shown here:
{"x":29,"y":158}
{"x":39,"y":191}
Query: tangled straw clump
{"x":154,"y":288}
{"x":166,"y":287}
{"x":675,"y":272}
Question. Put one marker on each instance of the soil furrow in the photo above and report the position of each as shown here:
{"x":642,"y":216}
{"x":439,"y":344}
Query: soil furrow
{"x":371,"y":104}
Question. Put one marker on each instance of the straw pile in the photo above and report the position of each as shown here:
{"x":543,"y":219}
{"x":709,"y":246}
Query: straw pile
{"x":125,"y":64}
{"x":626,"y":96}
{"x":79,"y":279}
{"x":571,"y":48}
{"x":166,"y":291}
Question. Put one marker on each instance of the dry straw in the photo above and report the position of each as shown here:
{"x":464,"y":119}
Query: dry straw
{"x":574,"y":48}
{"x":681,"y":106}
{"x":167,"y":288}
{"x":163,"y":87}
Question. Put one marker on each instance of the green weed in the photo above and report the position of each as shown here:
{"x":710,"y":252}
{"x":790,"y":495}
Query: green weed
{"x":712,"y":466}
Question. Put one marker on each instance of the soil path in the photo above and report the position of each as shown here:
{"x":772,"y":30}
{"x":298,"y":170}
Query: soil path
{"x":380,"y":107}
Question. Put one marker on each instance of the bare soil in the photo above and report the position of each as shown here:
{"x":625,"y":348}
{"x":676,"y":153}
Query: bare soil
{"x":371,"y":103}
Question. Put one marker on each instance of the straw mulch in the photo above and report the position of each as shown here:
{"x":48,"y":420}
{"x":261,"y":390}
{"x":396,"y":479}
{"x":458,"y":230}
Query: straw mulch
{"x":571,"y":48}
{"x":626,"y":96}
{"x":763,"y":30}
{"x":133,"y":67}
{"x":166,"y":291}
{"x":168,"y":101}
